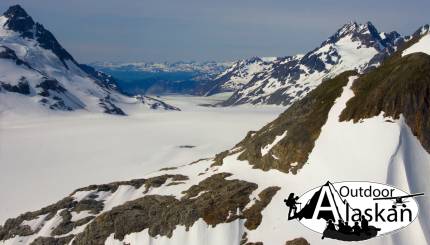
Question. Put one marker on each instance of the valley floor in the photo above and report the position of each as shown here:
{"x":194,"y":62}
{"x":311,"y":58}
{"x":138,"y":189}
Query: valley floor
{"x":43,"y":158}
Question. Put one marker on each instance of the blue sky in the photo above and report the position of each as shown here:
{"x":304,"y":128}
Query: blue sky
{"x":172,"y":30}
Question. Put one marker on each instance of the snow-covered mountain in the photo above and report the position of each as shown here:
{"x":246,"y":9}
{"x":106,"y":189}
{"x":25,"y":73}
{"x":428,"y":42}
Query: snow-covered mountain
{"x":239,"y":74}
{"x":38,"y":74}
{"x":284,"y":80}
{"x":363,"y":127}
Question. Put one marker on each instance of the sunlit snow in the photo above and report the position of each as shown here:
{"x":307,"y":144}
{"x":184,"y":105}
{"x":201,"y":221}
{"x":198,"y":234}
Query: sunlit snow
{"x":46,"y":156}
{"x":423,"y":45}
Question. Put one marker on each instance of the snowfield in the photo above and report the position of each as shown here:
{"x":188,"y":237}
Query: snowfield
{"x":44,"y":157}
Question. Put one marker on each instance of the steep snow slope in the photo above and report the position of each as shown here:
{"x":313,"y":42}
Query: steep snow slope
{"x":286,"y":80}
{"x":38,"y":74}
{"x":422,"y":45}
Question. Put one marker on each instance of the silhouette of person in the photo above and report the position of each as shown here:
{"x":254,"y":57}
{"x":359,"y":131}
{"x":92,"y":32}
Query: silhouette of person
{"x":364,"y":224}
{"x":291,"y":202}
{"x":330,"y":225}
{"x":341,"y":226}
{"x":344,"y":227}
{"x":356,"y":228}
{"x":347,"y":228}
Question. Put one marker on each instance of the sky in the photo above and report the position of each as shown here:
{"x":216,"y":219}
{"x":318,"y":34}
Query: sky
{"x":201,"y":30}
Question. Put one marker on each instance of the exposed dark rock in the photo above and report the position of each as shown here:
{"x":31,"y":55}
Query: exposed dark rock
{"x":13,"y":227}
{"x":187,"y":146}
{"x":49,"y":89}
{"x":297,"y":241}
{"x":218,"y":160}
{"x":90,"y":204}
{"x":112,"y":187}
{"x":8,"y":53}
{"x":400,"y":86}
{"x":153,"y":182}
{"x":155,"y":103}
{"x":214,"y":199}
{"x":102,"y":79}
{"x":22,"y":87}
{"x":50,"y":85}
{"x":52,"y":240}
{"x":253,"y":214}
{"x":19,"y":21}
{"x":302,"y":121}
{"x":65,"y":226}
{"x":175,"y":183}
{"x":244,"y":238}
{"x":161,"y":180}
{"x":110,"y":108}
{"x":169,"y":168}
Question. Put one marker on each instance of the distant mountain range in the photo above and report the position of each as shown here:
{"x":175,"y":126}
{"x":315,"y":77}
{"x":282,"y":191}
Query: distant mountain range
{"x":194,"y":78}
{"x":38,"y":74}
{"x":269,"y":80}
{"x":209,"y":67}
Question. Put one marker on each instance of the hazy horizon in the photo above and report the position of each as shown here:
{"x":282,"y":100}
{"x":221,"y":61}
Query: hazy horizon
{"x":192,"y":30}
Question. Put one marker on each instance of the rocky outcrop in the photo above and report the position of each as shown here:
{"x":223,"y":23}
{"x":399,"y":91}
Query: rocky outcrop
{"x":401,"y":86}
{"x":22,"y":87}
{"x":110,"y":108}
{"x":155,"y":103}
{"x":301,"y":124}
{"x":102,"y":79}
{"x":215,"y":200}
{"x":297,"y":241}
{"x":52,"y":240}
{"x":7,"y":53}
{"x":67,"y":206}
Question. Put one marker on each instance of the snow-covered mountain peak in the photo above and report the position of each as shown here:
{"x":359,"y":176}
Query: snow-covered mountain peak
{"x":421,"y":31}
{"x":351,"y":27}
{"x":17,"y":21}
{"x":240,"y":73}
{"x":366,"y":34}
{"x":37,"y":73}
{"x":284,"y":80}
